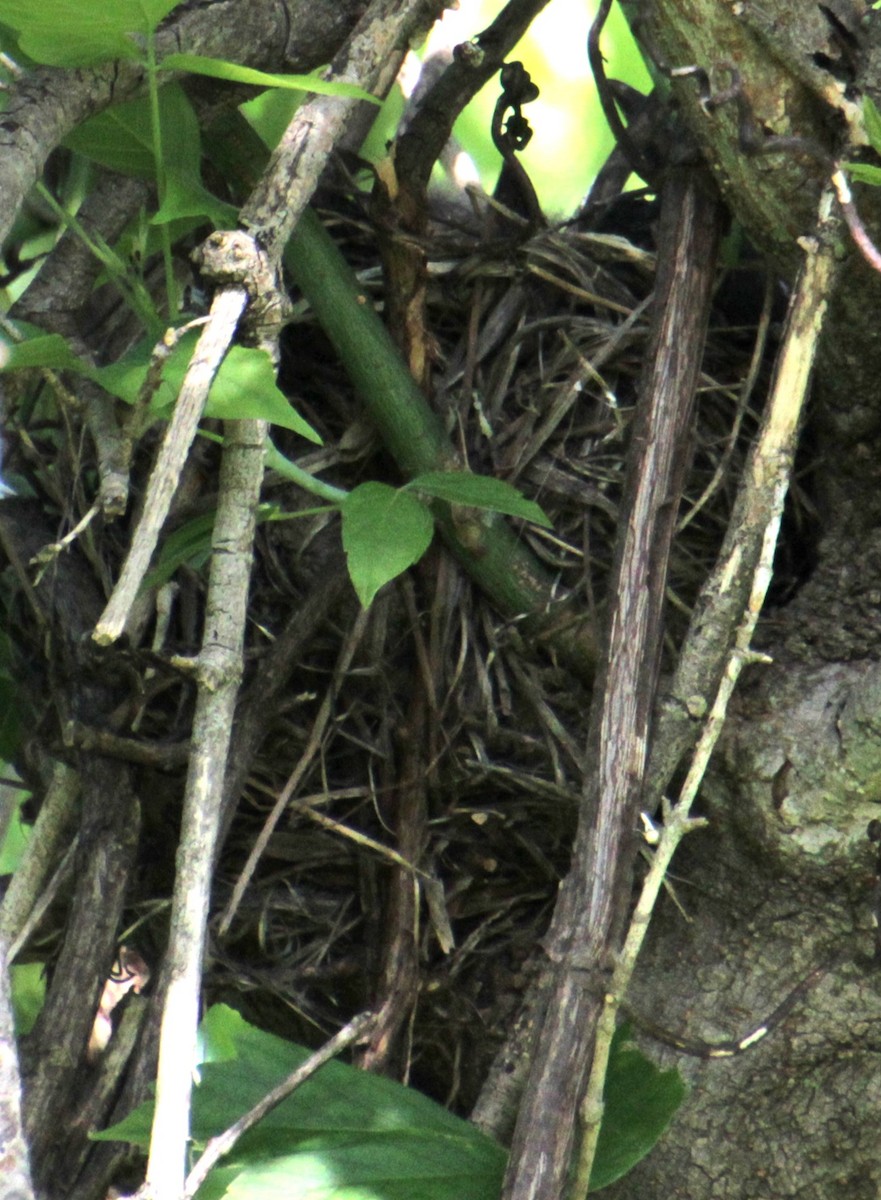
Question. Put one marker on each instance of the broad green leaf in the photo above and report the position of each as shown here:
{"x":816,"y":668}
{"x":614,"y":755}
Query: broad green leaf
{"x":218,"y":68}
{"x":640,"y":1101}
{"x":270,"y":113}
{"x":872,"y":122}
{"x":864,"y":173}
{"x":71,"y":33}
{"x":377,"y":1167}
{"x":244,"y":387}
{"x":186,"y":196}
{"x":121,"y":138}
{"x":343,"y":1134}
{"x":17,"y":836}
{"x":350,"y":1135}
{"x":478,"y":491}
{"x":28,"y":984}
{"x":191,"y":544}
{"x":385,"y":531}
{"x":42,"y":350}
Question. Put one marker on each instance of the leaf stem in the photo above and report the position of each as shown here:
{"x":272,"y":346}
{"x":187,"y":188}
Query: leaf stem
{"x":161,"y":176}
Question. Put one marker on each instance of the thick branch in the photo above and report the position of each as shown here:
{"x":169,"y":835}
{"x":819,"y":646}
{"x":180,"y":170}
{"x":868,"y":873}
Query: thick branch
{"x":587,"y":922}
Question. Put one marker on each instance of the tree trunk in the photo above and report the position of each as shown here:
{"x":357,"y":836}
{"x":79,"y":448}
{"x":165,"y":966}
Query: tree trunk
{"x":782,"y":879}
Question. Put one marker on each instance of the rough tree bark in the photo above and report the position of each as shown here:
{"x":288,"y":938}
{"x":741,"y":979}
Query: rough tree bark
{"x":778,"y":881}
{"x":781,"y":879}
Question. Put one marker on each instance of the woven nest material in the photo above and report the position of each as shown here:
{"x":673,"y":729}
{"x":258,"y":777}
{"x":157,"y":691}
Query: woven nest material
{"x":445,"y":742}
{"x":430,"y":765}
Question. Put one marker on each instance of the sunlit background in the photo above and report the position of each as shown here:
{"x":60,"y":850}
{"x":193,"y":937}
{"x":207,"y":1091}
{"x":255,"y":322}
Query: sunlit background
{"x":571,"y":139}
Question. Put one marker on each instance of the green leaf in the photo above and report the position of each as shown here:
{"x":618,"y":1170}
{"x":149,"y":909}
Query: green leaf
{"x":864,"y":173}
{"x":378,"y":1167}
{"x":218,"y":68}
{"x":121,"y":139}
{"x":17,"y":836}
{"x":479,"y":491}
{"x":244,"y":387}
{"x":345,"y":1134}
{"x":270,"y":113}
{"x":70,"y":33}
{"x":350,"y":1135}
{"x":41,"y":350}
{"x":640,"y":1101}
{"x":385,"y":531}
{"x":186,"y":196}
{"x":872,"y":122}
{"x":191,"y":544}
{"x":28,"y":985}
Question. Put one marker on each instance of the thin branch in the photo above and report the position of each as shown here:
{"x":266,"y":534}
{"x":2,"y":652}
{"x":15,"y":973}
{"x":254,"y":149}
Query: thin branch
{"x":247,"y":269}
{"x":219,"y":669}
{"x":277,"y":203}
{"x":210,"y":351}
{"x":591,"y":908}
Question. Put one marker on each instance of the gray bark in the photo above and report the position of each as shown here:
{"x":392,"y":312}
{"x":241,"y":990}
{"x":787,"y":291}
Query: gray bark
{"x":782,"y":878}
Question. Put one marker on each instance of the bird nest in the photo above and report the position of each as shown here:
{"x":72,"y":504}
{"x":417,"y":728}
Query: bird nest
{"x":410,"y":778}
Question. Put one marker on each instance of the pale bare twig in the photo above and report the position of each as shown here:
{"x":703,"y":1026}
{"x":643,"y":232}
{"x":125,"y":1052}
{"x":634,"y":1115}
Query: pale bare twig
{"x":210,"y":351}
{"x":219,"y":670}
{"x":272,"y":211}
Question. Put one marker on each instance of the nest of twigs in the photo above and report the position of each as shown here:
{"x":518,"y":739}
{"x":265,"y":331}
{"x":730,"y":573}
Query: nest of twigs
{"x":414,"y":796}
{"x":426,"y":747}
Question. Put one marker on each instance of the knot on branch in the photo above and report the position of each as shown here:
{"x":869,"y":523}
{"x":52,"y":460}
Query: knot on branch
{"x":233,"y":258}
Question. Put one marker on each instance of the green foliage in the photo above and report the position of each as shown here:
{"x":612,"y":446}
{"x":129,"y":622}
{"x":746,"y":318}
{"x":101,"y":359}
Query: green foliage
{"x":872,"y":119}
{"x":385,"y":531}
{"x":349,"y":1135}
{"x":122,"y":139}
{"x":864,"y":172}
{"x":218,"y":68}
{"x":191,"y":544}
{"x":244,"y":387}
{"x":68,"y":33}
{"x":28,"y":985}
{"x":17,"y":834}
{"x":640,"y":1102}
{"x":478,"y":491}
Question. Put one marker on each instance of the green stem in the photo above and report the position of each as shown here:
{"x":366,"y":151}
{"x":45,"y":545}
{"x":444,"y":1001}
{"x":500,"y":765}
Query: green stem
{"x":161,"y":177}
{"x":276,"y":461}
{"x":132,"y":290}
{"x":502,"y":565}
